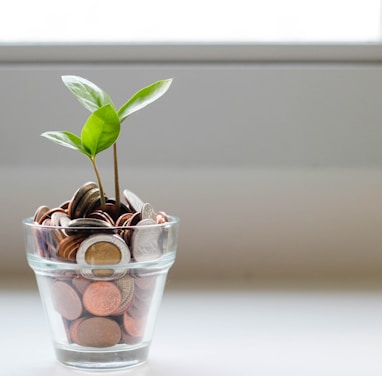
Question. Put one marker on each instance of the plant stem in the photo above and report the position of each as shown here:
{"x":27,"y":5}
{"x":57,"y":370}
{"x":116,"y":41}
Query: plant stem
{"x":116,"y":180}
{"x":101,"y":192}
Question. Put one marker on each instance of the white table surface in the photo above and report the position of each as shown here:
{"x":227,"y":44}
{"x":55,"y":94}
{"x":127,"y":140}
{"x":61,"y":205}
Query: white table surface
{"x":265,"y":331}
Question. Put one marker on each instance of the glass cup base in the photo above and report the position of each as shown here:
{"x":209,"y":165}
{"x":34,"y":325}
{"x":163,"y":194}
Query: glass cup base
{"x":104,"y":359}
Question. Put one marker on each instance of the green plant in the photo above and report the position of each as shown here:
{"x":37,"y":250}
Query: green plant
{"x":102,"y":128}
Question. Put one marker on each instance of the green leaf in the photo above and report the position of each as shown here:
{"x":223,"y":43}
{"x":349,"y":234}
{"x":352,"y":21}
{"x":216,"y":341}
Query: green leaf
{"x":89,"y":94}
{"x":101,"y":130}
{"x":144,"y":97}
{"x":67,"y":139}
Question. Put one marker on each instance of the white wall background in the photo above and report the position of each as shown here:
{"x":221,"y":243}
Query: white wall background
{"x":274,"y":169}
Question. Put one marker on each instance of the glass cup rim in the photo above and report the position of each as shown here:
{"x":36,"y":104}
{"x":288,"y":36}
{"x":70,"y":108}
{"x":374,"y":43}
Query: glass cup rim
{"x":39,"y":262}
{"x":29,"y":222}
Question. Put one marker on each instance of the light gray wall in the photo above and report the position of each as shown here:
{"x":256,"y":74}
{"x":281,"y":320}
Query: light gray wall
{"x":274,"y":169}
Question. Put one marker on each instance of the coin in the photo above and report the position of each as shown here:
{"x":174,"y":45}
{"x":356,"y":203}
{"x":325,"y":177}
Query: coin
{"x":127,"y":232}
{"x":123,"y":219}
{"x":65,"y":205}
{"x":87,"y":226}
{"x":100,"y":214}
{"x":96,"y":332}
{"x":60,"y":218}
{"x":126,"y":286}
{"x":68,"y":246}
{"x":80,"y":284}
{"x":134,"y":326}
{"x":102,"y":298}
{"x":114,"y":211}
{"x":66,"y":300}
{"x":145,"y":241}
{"x":40,"y":212}
{"x":134,"y":202}
{"x":73,"y":329}
{"x":102,"y":249}
{"x":72,"y":206}
{"x":147,"y":211}
{"x":89,"y":200}
{"x":49,"y":213}
{"x":130,"y":340}
{"x":161,"y":217}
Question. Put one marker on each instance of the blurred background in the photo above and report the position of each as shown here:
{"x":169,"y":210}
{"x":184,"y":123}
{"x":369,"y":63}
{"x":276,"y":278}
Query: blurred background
{"x":267,"y":145}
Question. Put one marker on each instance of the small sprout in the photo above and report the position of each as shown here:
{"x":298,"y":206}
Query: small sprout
{"x":102,"y":128}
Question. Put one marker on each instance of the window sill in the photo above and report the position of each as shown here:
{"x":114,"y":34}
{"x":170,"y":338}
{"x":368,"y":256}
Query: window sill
{"x":191,"y":53}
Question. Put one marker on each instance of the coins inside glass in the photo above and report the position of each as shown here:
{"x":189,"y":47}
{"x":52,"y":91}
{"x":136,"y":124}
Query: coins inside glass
{"x":148,"y":212}
{"x":145,"y":241}
{"x":77,"y":197}
{"x":134,"y":202}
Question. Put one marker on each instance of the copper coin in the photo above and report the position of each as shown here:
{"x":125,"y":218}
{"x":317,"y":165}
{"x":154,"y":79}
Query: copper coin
{"x":96,"y":332}
{"x":49,"y":213}
{"x":73,"y":328}
{"x":65,"y":205}
{"x":48,"y":241}
{"x":130,"y":340}
{"x":102,"y":298}
{"x":161,"y":217}
{"x":123,"y":219}
{"x":40,"y":212}
{"x":134,"y":326}
{"x":114,"y":211}
{"x":69,"y":246}
{"x":66,"y":300}
{"x":99,"y":214}
{"x":80,"y":284}
{"x":135,"y":219}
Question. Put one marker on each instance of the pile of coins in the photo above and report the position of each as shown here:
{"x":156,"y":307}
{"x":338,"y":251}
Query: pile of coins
{"x":102,"y":302}
{"x":89,"y":234}
{"x":103,"y":313}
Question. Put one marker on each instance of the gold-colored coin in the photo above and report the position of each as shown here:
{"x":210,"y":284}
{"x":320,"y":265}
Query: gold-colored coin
{"x":102,"y":249}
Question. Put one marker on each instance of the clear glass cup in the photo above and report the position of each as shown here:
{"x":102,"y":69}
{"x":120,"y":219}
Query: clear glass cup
{"x":101,"y":288}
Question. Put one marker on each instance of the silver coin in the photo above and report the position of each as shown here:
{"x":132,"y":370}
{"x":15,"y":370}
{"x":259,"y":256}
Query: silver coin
{"x":103,"y":249}
{"x":72,"y":206}
{"x":134,"y":202}
{"x":60,"y":219}
{"x":87,"y":202}
{"x":148,"y":212}
{"x":145,"y":241}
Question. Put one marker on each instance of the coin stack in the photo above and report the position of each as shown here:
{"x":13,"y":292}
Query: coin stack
{"x":83,"y":216}
{"x":100,"y":303}
{"x":103,"y":313}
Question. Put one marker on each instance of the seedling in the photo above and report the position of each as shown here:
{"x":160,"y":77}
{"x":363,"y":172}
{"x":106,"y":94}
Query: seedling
{"x":102,"y":128}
